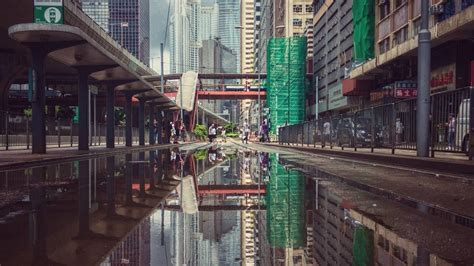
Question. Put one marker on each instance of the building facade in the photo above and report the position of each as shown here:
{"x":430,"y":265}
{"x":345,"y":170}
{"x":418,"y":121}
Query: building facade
{"x":333,"y":49}
{"x":127,"y":21}
{"x":229,"y":19}
{"x":209,"y":22}
{"x":185,"y":38}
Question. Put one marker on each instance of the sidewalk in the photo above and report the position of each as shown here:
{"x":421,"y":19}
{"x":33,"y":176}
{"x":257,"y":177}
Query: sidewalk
{"x":23,"y":158}
{"x":445,"y":162}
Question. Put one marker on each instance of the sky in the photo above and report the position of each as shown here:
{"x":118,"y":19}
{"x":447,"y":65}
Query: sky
{"x":158,"y":15}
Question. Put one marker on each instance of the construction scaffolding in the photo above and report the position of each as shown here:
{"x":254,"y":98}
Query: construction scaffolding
{"x":364,"y":30}
{"x":286,"y":71}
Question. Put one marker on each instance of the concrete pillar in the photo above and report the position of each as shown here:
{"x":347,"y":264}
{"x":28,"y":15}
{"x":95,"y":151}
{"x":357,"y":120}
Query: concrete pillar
{"x":151,"y":126}
{"x":128,"y":120}
{"x":128,"y":179}
{"x":83,"y":103}
{"x":142,"y":173}
{"x":159,"y":127}
{"x":141,"y":122}
{"x":110,"y":139}
{"x":151,"y":169}
{"x":38,"y":120}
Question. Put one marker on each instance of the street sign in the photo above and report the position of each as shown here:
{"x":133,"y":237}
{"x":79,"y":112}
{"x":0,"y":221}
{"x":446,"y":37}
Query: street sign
{"x":49,"y":11}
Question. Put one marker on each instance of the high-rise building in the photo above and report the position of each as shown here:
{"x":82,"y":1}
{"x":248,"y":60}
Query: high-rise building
{"x":98,"y":10}
{"x":127,"y":21}
{"x":281,"y":18}
{"x":185,"y":39}
{"x":209,"y":22}
{"x":229,"y":21}
{"x":247,"y":35}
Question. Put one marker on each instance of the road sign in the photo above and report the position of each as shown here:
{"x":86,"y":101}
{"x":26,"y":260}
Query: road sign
{"x":49,"y":11}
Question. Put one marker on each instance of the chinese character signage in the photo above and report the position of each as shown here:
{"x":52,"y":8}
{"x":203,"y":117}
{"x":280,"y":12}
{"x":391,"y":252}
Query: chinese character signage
{"x":443,"y":78}
{"x":49,"y":11}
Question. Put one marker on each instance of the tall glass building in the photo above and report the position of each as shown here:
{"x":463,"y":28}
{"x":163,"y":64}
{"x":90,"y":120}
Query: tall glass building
{"x":229,"y":19}
{"x":127,"y":21}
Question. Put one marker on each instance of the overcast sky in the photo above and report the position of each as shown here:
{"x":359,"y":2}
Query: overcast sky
{"x":158,"y":15}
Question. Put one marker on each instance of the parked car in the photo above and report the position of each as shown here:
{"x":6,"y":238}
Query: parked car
{"x":462,"y":125}
{"x":344,"y":133}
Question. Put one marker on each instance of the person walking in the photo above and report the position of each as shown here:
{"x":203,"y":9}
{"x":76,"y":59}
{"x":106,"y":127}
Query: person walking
{"x":326,"y":132}
{"x":173,"y":133}
{"x":451,"y":131}
{"x":246,"y":129}
{"x":398,"y":130}
{"x":212,"y":132}
{"x":223,"y":135}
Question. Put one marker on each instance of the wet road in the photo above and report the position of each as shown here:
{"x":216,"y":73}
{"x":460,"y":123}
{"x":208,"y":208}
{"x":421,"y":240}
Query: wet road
{"x":228,"y":205}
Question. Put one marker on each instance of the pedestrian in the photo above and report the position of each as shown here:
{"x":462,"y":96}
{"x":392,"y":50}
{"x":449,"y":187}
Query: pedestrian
{"x":212,"y":132}
{"x":246,"y":129}
{"x":173,"y":133}
{"x":398,"y":130}
{"x":155,"y":130}
{"x":326,"y":132}
{"x":265,"y":131}
{"x":451,"y":131}
{"x":223,"y":134}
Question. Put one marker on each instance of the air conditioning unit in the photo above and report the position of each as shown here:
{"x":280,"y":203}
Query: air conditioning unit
{"x":437,"y":9}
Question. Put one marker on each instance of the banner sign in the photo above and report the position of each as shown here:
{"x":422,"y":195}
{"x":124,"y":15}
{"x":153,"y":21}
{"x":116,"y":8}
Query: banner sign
{"x":49,"y":11}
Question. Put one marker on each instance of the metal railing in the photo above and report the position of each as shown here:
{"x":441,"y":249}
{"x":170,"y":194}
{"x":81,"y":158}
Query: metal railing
{"x":392,"y":126}
{"x":15,"y":132}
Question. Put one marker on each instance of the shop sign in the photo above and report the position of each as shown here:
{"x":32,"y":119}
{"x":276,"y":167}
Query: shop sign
{"x":443,"y":78}
{"x":49,"y":11}
{"x":336,"y":99}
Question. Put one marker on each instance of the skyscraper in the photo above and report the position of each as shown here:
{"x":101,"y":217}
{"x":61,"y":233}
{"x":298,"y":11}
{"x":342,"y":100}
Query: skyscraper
{"x":209,"y":22}
{"x":229,"y":19}
{"x":185,"y":39}
{"x":127,"y":21}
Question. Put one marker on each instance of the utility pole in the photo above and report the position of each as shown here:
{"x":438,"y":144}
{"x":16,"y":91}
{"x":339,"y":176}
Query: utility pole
{"x":162,"y":70}
{"x":423,"y":97}
{"x":316,"y":103}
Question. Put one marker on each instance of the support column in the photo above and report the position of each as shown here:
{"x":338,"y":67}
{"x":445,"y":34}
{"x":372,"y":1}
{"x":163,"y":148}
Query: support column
{"x":110,"y":116}
{"x":159,"y":126}
{"x":83,"y":104}
{"x":141,"y":122}
{"x":151,"y":126}
{"x":38,"y":120}
{"x":128,"y":120}
{"x":111,"y":186}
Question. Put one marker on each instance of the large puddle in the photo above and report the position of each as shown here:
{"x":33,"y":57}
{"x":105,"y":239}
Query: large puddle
{"x":216,"y":206}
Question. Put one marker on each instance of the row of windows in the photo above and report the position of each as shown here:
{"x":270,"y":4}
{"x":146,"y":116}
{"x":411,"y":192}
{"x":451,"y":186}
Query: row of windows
{"x":299,"y":8}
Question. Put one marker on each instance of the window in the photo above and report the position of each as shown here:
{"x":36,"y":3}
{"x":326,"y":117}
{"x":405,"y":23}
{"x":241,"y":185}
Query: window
{"x":384,"y":8}
{"x":401,"y":36}
{"x":384,"y":46}
{"x":297,"y":8}
{"x":309,"y":8}
{"x":399,"y":3}
{"x":309,"y":21}
{"x":297,"y":22}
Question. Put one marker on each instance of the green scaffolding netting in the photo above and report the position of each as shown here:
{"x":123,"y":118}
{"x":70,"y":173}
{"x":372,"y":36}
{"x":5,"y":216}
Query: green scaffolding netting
{"x":286,"y":225}
{"x":364,"y":29}
{"x":286,"y":71}
{"x":363,"y":246}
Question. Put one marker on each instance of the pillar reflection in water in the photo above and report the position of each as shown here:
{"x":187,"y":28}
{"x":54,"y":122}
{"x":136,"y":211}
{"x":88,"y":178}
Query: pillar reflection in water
{"x":151,"y":169}
{"x":84,"y":186}
{"x":128,"y":178}
{"x":37,"y":219}
{"x":111,"y":186}
{"x":141,"y":173}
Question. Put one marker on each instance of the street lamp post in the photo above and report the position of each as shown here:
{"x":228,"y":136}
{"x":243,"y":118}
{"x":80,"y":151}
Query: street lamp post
{"x":423,"y":97}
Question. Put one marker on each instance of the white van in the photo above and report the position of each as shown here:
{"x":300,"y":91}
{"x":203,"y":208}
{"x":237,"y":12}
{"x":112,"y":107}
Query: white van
{"x":462,"y":125}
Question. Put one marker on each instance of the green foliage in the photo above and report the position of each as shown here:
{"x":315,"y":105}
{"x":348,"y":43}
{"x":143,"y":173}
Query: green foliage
{"x":230,"y":128}
{"x":64,"y":112}
{"x":200,"y":154}
{"x":232,"y":134}
{"x":119,"y":116}
{"x":28,"y":112}
{"x":200,"y":131}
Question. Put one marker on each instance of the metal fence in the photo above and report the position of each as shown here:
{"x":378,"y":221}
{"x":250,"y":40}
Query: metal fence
{"x":15,"y":132}
{"x":392,"y":126}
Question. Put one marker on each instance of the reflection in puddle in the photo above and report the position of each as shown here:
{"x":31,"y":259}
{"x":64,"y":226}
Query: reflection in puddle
{"x":217,"y":206}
